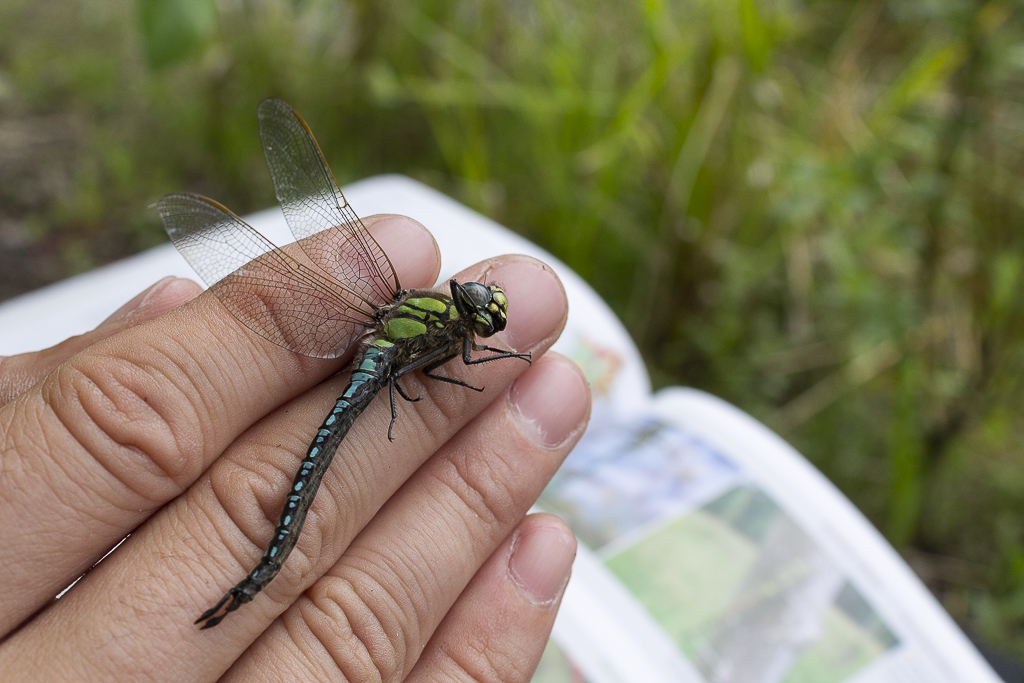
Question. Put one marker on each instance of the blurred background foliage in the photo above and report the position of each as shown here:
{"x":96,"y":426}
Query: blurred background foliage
{"x":811,"y":209}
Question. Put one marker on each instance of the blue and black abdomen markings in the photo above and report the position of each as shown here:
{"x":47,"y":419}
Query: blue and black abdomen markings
{"x":371,"y":372}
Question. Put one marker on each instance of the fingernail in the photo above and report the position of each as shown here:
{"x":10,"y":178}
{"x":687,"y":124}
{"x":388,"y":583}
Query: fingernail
{"x":153,"y":297}
{"x":541,"y":561}
{"x":536,"y":301}
{"x":137,"y":302}
{"x":549,"y":401}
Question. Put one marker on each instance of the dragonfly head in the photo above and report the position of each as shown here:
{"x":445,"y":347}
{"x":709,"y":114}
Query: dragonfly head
{"x":485,"y":305}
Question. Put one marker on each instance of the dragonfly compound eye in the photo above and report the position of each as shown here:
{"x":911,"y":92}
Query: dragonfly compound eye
{"x":478,"y":294}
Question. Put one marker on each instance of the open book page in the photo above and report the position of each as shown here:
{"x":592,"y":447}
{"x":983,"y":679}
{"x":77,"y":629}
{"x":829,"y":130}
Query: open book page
{"x":715,"y":553}
{"x":710,"y":550}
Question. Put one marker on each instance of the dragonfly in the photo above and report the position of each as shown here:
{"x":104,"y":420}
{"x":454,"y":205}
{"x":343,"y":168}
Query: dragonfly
{"x":335,"y":290}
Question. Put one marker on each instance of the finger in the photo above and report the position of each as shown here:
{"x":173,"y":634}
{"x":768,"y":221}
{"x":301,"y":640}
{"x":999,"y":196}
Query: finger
{"x":372,"y":615}
{"x":129,"y":423}
{"x":133,"y":614}
{"x":18,"y":373}
{"x":498,"y":628}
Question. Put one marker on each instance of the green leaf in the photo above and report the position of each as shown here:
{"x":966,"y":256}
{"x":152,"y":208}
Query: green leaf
{"x":757,"y":39}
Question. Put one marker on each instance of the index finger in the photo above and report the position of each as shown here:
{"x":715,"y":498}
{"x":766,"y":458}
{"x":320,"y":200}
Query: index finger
{"x":18,"y":373}
{"x":128,"y":424}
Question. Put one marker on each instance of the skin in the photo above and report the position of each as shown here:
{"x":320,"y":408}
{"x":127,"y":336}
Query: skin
{"x":171,"y":422}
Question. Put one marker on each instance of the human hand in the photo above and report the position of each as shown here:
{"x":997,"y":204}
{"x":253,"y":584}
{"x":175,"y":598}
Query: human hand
{"x":185,"y":431}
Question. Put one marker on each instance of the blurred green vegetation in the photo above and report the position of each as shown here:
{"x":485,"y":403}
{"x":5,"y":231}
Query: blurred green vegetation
{"x":809,"y":208}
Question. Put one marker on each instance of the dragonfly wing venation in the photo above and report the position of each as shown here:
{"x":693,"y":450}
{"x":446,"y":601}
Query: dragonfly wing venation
{"x":320,"y":217}
{"x":265,"y":288}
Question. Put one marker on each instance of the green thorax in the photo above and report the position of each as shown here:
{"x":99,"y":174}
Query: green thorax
{"x":420,"y":314}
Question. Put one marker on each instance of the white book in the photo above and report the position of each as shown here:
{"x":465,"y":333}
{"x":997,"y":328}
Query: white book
{"x":710,"y":550}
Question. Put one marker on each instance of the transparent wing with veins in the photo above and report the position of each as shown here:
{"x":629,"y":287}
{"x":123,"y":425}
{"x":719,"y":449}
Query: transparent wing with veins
{"x":268,"y":290}
{"x":318,"y":214}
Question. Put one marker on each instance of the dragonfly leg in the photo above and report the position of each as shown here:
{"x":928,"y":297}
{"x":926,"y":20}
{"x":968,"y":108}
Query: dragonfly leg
{"x":395,"y":384}
{"x":427,"y":372}
{"x":401,"y":392}
{"x":431,"y":360}
{"x":393,"y":380}
{"x":467,"y":348}
{"x":394,"y":413}
{"x":497,"y":354}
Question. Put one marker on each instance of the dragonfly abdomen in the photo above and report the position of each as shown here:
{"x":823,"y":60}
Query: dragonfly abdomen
{"x":371,"y":372}
{"x":368,"y":376}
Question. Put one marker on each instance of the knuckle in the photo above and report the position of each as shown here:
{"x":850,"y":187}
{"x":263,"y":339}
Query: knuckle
{"x":484,"y":484}
{"x":19,"y":373}
{"x":362,"y":627}
{"x":248,"y":494}
{"x":483,"y":661}
{"x":131,"y":420}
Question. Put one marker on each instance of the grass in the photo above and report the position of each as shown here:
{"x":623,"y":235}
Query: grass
{"x":811,"y":209}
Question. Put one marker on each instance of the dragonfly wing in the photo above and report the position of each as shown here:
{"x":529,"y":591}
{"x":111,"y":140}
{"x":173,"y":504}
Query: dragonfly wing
{"x":318,"y":214}
{"x":266,"y":289}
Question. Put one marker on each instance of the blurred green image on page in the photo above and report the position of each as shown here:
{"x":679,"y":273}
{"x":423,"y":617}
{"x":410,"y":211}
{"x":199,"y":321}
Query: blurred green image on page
{"x":711,"y":551}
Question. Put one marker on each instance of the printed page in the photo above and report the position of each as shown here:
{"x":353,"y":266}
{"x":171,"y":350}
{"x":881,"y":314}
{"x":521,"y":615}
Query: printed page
{"x":715,"y":553}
